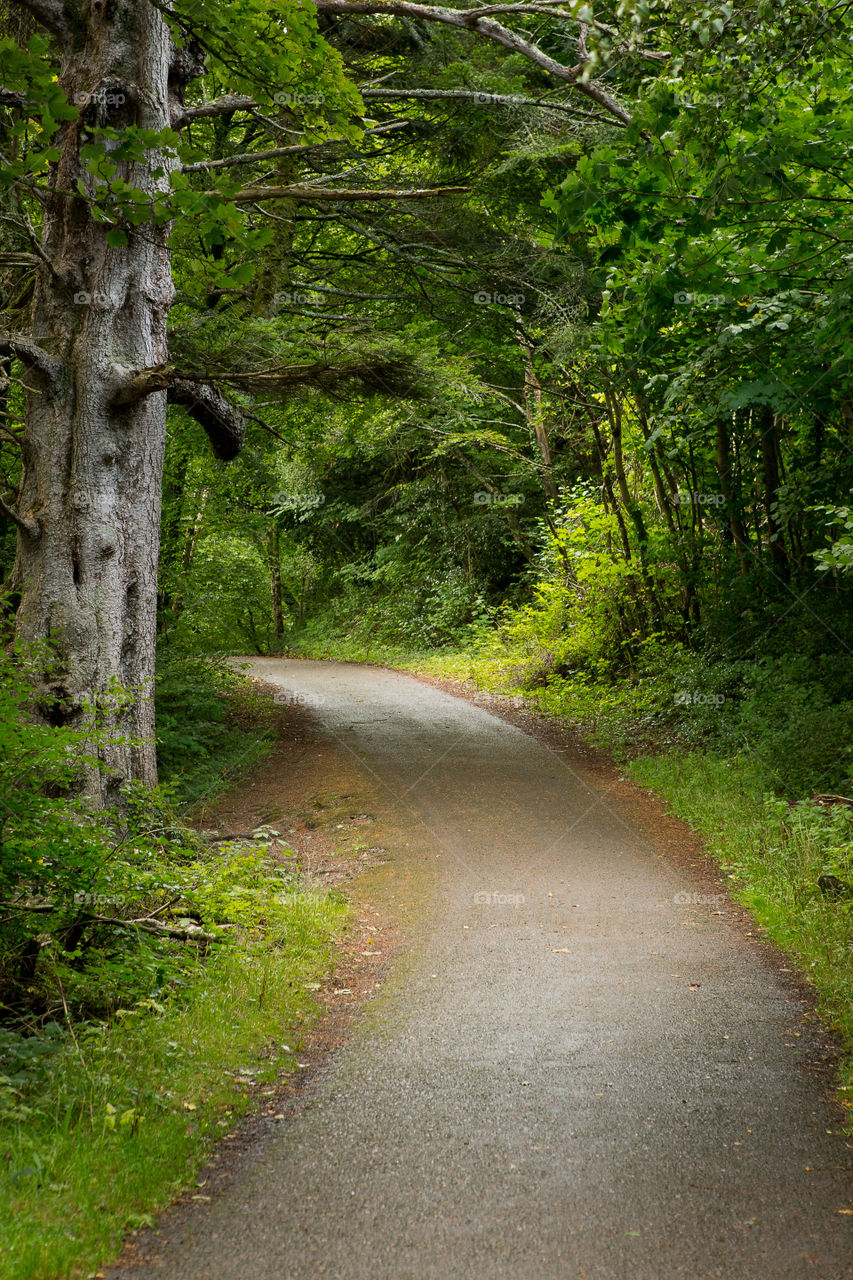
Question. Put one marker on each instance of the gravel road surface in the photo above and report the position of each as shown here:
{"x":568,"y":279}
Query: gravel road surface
{"x":583,"y":1070}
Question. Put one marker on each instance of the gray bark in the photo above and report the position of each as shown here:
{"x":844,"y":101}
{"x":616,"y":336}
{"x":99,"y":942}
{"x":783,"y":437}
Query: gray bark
{"x":93,"y":453}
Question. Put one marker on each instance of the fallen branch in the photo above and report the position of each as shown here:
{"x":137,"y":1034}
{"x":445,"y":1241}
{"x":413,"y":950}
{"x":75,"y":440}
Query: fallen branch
{"x":146,"y":924}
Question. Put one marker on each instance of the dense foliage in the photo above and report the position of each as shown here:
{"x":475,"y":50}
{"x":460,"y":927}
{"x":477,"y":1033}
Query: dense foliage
{"x":588,"y":418}
{"x":604,"y":399}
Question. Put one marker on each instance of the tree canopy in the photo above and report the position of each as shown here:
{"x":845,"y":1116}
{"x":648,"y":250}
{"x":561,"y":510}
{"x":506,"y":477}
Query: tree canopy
{"x":473,"y":308}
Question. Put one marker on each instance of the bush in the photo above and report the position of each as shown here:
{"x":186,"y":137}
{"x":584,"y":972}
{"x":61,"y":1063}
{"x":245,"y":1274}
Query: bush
{"x":210,"y":725}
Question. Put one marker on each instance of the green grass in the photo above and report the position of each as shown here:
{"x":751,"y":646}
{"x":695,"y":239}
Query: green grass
{"x":151,"y":984}
{"x":212,"y":727}
{"x":127,"y":1113}
{"x":454,"y":664}
{"x":774,"y":855}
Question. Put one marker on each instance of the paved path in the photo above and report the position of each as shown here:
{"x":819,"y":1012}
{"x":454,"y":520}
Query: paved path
{"x":577,"y":1076}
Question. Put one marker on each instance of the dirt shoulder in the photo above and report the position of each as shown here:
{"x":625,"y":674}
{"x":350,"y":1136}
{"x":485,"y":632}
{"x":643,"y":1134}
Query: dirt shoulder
{"x":329,"y":813}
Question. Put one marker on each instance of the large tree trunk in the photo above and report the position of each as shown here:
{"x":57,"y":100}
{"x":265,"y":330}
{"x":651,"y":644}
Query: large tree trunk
{"x":94,"y":452}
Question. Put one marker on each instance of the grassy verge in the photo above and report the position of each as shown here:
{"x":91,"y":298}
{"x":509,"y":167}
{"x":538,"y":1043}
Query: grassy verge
{"x":212,"y":726}
{"x":124,"y":1115}
{"x":151,"y":985}
{"x":775,"y":856}
{"x":789,"y":860}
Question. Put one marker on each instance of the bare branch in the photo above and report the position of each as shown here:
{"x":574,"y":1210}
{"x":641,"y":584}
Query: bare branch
{"x":311,"y":195}
{"x":223,"y":422}
{"x":478,"y":23}
{"x":50,"y":13}
{"x":29,"y":527}
{"x":377,"y":375}
{"x":257,"y":157}
{"x":481,"y":99}
{"x":133,"y":385}
{"x":19,"y":259}
{"x":31,"y":354}
{"x":553,"y":10}
{"x":215,"y":107}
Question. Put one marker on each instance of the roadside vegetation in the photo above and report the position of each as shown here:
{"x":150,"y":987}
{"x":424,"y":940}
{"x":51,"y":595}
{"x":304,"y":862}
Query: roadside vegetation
{"x":516,"y":353}
{"x":151,"y":982}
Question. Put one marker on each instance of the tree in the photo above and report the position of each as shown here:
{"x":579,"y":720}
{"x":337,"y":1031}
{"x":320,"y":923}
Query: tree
{"x":96,"y":187}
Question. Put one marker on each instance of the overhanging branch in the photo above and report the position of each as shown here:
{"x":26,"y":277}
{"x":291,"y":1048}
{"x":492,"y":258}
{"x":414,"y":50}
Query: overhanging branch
{"x":481,"y":99}
{"x":313,"y":195}
{"x":223,"y":106}
{"x":478,"y":23}
{"x":259,"y":157}
{"x":50,"y":13}
{"x":222,"y":421}
{"x":30,"y":354}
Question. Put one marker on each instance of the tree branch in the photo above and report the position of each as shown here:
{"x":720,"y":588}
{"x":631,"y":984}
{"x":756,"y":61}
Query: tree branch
{"x":312,"y":195}
{"x":133,"y":385}
{"x":224,"y":424}
{"x":29,"y":527}
{"x":30,"y":353}
{"x":477,"y":23}
{"x":50,"y":13}
{"x":257,"y":157}
{"x":19,"y":259}
{"x":148,"y":924}
{"x":215,"y":107}
{"x":481,"y":99}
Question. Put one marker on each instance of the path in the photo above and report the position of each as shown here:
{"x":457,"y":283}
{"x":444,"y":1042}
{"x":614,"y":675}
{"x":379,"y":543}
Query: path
{"x":577,"y":1075}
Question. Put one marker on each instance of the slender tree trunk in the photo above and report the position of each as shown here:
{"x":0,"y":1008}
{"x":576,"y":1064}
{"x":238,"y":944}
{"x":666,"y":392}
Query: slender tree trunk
{"x":274,"y":559}
{"x":536,"y":417}
{"x":724,"y":473}
{"x":609,"y":495}
{"x":769,"y":428}
{"x":614,"y":411}
{"x":93,"y":462}
{"x":172,"y":534}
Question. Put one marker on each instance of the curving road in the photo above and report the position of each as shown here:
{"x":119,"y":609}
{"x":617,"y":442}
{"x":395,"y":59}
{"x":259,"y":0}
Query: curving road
{"x":578,"y":1075}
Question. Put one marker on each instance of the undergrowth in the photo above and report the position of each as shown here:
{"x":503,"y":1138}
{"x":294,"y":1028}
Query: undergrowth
{"x":150,"y":982}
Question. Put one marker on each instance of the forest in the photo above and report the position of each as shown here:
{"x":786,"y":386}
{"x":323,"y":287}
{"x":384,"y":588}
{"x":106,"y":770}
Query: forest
{"x":508,"y":343}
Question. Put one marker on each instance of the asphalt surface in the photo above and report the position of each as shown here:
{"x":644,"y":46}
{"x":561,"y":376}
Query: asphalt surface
{"x":580,"y":1073}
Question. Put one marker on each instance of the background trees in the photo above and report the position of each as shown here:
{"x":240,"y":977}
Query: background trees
{"x":607,"y":382}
